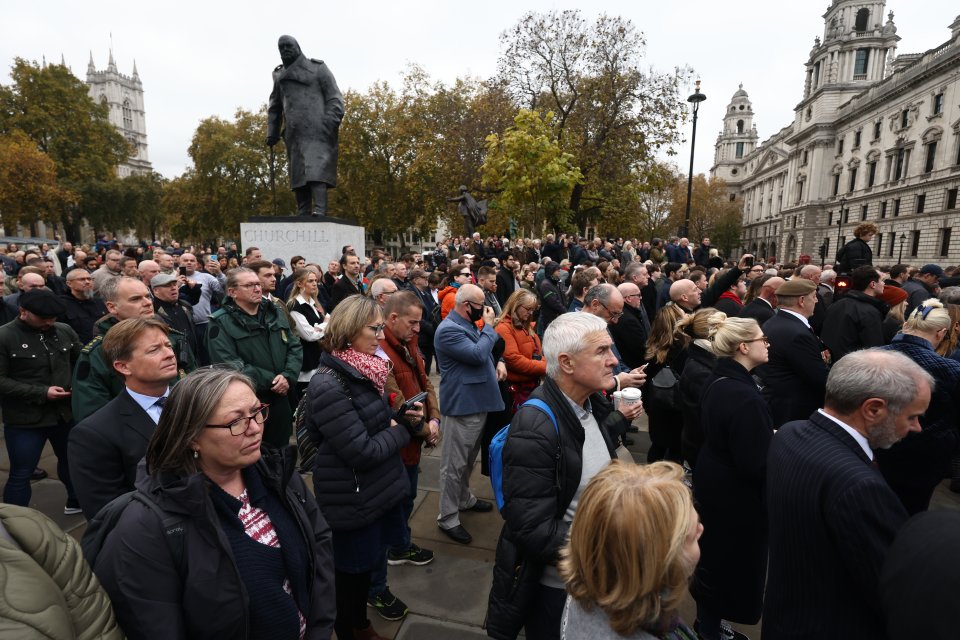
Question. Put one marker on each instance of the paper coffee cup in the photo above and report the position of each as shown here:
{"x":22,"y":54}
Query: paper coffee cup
{"x":630,"y":396}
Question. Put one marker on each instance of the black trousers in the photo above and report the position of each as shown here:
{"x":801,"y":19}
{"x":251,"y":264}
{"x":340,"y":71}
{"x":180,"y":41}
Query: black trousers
{"x":546,"y":613}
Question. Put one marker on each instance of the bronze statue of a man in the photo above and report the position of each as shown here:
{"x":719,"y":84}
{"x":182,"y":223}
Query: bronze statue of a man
{"x":474,"y":211}
{"x":308,"y":103}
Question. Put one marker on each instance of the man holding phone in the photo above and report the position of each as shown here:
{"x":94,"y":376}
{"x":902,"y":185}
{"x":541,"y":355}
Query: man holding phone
{"x":409,"y":388}
{"x":212,"y":283}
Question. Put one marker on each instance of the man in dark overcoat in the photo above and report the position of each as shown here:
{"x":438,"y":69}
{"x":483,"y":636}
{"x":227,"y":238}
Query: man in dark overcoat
{"x":306,"y":99}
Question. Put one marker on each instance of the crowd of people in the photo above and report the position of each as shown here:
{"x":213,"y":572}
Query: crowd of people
{"x":812,"y":410}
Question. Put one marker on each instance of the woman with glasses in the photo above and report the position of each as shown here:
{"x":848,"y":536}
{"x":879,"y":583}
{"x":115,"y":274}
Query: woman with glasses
{"x":728,"y":483}
{"x":235,"y":545}
{"x":460,"y":275}
{"x":358,"y":476}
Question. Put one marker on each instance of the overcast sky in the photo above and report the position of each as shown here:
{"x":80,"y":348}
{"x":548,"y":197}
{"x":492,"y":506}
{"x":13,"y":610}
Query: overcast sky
{"x":203,"y":58}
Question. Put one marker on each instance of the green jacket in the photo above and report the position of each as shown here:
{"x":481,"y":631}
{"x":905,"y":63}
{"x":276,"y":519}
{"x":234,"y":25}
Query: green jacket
{"x":32,"y":361}
{"x":95,"y":383}
{"x":261,"y":346}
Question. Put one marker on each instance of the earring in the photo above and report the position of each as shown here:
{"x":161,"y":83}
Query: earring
{"x":196,"y":454}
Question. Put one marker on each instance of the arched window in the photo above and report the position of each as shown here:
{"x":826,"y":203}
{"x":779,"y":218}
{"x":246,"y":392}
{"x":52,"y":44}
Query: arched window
{"x":127,"y":115}
{"x":863,"y":17}
{"x":739,"y":126}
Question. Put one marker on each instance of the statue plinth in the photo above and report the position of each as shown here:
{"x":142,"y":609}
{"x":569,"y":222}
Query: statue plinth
{"x":317,"y":238}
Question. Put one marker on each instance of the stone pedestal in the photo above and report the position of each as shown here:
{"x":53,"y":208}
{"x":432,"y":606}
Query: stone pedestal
{"x":317,"y":239}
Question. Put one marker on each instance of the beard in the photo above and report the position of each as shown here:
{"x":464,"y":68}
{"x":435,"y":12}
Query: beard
{"x":884,"y":434}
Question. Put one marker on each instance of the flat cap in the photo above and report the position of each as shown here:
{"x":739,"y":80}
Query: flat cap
{"x":42,"y":302}
{"x":796,"y":287}
{"x":162,"y":279}
{"x":932,"y":269}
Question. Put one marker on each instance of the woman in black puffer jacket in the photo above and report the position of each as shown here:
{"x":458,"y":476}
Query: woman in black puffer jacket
{"x":358,"y":476}
{"x":698,"y":368}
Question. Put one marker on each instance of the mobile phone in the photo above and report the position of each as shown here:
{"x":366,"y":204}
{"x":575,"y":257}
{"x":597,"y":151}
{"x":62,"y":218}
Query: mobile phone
{"x":748,"y":262}
{"x":183,"y":271}
{"x":408,"y":404}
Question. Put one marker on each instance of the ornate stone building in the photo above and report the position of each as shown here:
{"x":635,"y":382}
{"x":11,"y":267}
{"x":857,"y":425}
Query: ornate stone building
{"x":123,"y":95}
{"x":875,"y":138}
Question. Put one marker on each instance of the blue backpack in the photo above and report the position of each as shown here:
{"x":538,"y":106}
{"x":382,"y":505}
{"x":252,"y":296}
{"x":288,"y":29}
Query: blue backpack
{"x":500,"y":440}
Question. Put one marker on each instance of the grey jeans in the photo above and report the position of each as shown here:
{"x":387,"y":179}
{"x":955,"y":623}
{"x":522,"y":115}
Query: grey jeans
{"x":461,"y":444}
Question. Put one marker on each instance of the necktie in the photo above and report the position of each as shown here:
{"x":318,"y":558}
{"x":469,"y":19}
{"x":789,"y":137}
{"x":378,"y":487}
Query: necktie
{"x":160,"y":402}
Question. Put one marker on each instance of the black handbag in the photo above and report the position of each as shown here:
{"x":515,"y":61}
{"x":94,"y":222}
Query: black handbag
{"x":308,"y":441}
{"x":664,"y":388}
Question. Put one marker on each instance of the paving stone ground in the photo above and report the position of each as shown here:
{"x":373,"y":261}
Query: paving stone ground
{"x":447,"y":598}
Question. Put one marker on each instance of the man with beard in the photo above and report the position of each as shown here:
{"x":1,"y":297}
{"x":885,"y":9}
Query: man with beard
{"x":832,"y":516}
{"x":82,"y":309}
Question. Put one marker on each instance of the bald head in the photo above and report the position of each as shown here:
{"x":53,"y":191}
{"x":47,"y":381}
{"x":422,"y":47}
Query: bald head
{"x":31,"y":281}
{"x":811,"y":272}
{"x":685,"y":293}
{"x":630,"y":293}
{"x":769,"y":289}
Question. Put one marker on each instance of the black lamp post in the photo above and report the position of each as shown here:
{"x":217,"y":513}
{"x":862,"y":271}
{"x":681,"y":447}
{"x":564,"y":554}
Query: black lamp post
{"x":843,"y":201}
{"x":695,"y":100}
{"x":903,"y":238}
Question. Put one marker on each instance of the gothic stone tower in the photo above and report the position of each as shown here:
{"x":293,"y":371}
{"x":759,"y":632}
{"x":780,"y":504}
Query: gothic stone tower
{"x":123,"y":95}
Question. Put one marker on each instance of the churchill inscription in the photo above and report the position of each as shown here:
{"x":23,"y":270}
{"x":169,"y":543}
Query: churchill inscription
{"x":317,"y":241}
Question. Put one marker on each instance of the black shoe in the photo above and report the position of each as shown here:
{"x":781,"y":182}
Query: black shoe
{"x":389,"y":606}
{"x":72,"y":508}
{"x":627,"y":441}
{"x":480,"y":506}
{"x":38,"y":474}
{"x":458,"y":534}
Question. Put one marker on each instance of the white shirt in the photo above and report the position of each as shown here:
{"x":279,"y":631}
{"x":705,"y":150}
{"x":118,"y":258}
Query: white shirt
{"x":795,"y":314}
{"x":859,"y":437}
{"x":148,"y":403}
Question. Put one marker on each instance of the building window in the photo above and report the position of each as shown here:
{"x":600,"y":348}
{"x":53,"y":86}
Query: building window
{"x":806,"y":156}
{"x":921,"y":202}
{"x":816,"y":75}
{"x":951,"y":199}
{"x":896,"y":208}
{"x":127,"y":115}
{"x":860,"y":65}
{"x":945,"y":242}
{"x":733,"y":197}
{"x":856,"y":138}
{"x":904,"y":118}
{"x":931,"y":155}
{"x":938,"y":103}
{"x":799,"y":191}
{"x":830,"y":218}
{"x":863,"y":213}
{"x":846,"y":214}
{"x":898,"y":170}
{"x":891,"y":240}
{"x":862,"y":20}
{"x":914,"y":242}
{"x":879,"y":244}
{"x":883,"y":210}
{"x":853,"y":179}
{"x":739,"y":126}
{"x":840,"y":147}
{"x":877,"y":128}
{"x":871,"y":173}
{"x":739,"y":149}
{"x":836,"y":183}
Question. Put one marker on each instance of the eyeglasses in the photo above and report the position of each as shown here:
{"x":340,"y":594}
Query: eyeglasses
{"x":239,"y":426}
{"x":376,"y":328}
{"x":613,"y":315}
{"x":765,"y":340}
{"x":464,"y":273}
{"x":252,"y":285}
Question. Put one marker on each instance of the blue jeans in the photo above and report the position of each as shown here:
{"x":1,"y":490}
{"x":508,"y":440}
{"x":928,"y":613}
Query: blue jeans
{"x":24,"y":446}
{"x":378,"y":579}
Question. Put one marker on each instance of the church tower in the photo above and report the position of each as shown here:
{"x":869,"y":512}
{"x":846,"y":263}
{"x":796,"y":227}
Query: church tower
{"x":737,"y":140}
{"x":123,"y":96}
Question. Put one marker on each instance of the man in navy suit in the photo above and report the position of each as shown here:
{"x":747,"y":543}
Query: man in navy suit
{"x":795,"y":375}
{"x":106,"y":446}
{"x":468,"y":391}
{"x":831,"y":515}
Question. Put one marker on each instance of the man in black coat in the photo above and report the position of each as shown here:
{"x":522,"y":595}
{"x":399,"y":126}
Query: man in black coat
{"x":631,"y":330}
{"x":106,"y":446}
{"x":350,"y":283}
{"x":82,"y":309}
{"x":832,"y":516}
{"x":855,"y":320}
{"x":857,"y":252}
{"x":795,"y":375}
{"x":761,"y":307}
{"x":507,"y":279}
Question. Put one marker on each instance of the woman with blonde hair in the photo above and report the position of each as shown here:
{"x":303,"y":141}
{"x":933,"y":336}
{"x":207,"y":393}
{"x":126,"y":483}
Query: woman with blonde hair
{"x":308,"y":318}
{"x":632,"y":548}
{"x":523,"y":353}
{"x":666,"y":349}
{"x":915,"y":466}
{"x":728,"y":483}
{"x":700,"y":326}
{"x":949,"y":345}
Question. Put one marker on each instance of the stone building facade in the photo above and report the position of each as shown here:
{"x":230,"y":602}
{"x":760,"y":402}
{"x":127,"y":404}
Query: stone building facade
{"x":876,"y":137}
{"x":123,"y":95}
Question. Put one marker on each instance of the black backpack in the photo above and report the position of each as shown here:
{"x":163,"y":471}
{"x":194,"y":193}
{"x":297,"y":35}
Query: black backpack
{"x":106,"y":519}
{"x":307,"y":440}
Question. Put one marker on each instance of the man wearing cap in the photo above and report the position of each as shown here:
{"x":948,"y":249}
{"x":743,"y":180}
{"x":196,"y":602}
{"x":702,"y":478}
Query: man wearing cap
{"x":94,"y":382}
{"x":172,"y":309}
{"x":37,"y":354}
{"x":795,"y":375}
{"x":928,"y":280}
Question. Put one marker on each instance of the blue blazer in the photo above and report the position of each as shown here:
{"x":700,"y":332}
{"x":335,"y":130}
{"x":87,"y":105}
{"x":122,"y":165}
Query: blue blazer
{"x":831,"y":519}
{"x":468,"y":374}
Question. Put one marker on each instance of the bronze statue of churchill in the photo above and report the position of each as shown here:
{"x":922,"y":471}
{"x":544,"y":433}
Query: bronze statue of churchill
{"x":306,"y":108}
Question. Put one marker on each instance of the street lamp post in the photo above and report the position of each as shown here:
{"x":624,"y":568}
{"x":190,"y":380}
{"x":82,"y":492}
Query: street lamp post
{"x":840,"y":223}
{"x":695,"y":100}
{"x":903,"y":238}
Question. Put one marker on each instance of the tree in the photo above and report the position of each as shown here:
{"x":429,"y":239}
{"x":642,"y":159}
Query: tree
{"x":712,"y":213}
{"x":610,"y":114}
{"x":51,"y":106}
{"x":532,"y":174}
{"x":28,"y":183}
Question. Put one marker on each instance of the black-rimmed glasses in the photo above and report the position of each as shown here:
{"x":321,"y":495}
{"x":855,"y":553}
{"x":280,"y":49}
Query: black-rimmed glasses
{"x":239,"y":426}
{"x":765,"y":340}
{"x":613,"y":315}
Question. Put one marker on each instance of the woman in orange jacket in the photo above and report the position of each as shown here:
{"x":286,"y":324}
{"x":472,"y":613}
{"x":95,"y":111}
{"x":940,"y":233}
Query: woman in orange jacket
{"x":523,"y":353}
